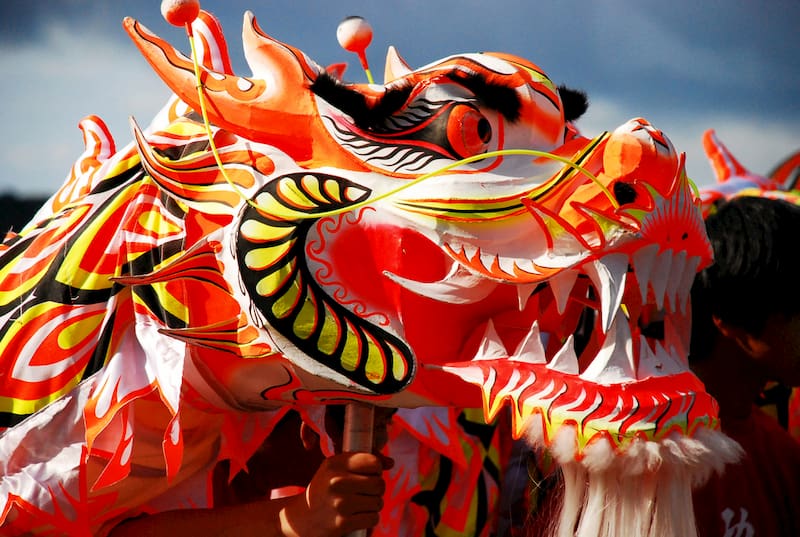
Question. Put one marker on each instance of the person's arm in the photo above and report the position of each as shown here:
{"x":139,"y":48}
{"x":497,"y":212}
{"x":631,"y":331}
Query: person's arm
{"x":344,"y":495}
{"x":255,"y":518}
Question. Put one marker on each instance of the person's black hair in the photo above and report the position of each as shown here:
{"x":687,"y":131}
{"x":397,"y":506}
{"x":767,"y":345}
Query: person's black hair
{"x":755,"y":268}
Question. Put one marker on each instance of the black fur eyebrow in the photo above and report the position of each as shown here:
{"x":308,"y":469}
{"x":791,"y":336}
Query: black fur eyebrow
{"x":498,"y":97}
{"x":353,"y":103}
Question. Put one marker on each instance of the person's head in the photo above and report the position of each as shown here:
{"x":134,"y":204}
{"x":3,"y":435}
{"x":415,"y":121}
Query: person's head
{"x":750,"y":293}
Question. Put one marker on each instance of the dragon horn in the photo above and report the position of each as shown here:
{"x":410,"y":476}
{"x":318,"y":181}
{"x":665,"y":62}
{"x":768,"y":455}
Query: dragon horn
{"x":274,"y":109}
{"x":396,"y":67}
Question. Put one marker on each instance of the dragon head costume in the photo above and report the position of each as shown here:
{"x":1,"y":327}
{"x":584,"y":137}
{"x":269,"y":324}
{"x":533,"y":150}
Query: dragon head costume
{"x":444,"y":239}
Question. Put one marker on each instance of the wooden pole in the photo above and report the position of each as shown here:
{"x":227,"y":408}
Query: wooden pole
{"x":359,"y":419}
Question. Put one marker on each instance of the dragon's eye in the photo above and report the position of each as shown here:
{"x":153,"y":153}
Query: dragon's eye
{"x":468,"y":131}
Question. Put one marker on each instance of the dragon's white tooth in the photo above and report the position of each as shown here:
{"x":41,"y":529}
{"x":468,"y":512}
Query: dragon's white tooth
{"x":608,"y":276}
{"x":394,"y":66}
{"x":658,"y":363}
{"x":648,"y":366}
{"x":561,"y":284}
{"x":643,"y":261}
{"x":614,"y":362}
{"x":674,"y":281}
{"x":491,"y":348}
{"x":526,"y":265}
{"x":459,"y":286}
{"x":687,"y":279}
{"x":671,"y":364}
{"x":469,"y":250}
{"x":660,"y":276}
{"x":677,"y":335}
{"x":524,"y":291}
{"x":565,"y":360}
{"x":530,"y":349}
{"x":506,"y":264}
{"x":489,"y":261}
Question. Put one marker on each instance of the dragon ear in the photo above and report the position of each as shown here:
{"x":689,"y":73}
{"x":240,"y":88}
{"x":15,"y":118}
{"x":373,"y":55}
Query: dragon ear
{"x":336,"y":70}
{"x":575,"y":102}
{"x":396,"y":67}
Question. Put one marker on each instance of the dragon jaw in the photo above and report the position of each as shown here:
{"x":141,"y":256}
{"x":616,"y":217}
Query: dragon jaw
{"x":613,"y":318}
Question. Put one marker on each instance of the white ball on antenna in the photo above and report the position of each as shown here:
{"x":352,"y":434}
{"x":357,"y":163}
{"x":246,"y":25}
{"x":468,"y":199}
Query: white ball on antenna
{"x":180,"y":12}
{"x":354,"y":34}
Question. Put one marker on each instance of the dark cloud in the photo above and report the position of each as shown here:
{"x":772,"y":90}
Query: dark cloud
{"x":20,"y":20}
{"x":23,"y":21}
{"x":685,"y":65}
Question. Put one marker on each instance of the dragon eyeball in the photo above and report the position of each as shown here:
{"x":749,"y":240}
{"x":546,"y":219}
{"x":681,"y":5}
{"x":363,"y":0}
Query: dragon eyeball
{"x":180,"y":12}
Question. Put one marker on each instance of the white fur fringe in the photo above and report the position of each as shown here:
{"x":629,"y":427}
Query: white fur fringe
{"x":644,"y":491}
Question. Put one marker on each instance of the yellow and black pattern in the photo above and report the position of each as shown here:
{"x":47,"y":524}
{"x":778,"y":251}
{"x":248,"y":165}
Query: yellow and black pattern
{"x":451,"y":510}
{"x":274,"y":269}
{"x":62,"y":315}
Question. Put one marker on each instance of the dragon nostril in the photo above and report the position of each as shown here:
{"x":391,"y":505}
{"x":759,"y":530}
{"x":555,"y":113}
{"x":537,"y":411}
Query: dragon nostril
{"x":624,"y":193}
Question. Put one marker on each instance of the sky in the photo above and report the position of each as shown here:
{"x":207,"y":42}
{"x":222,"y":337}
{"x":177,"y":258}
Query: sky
{"x":685,"y":66}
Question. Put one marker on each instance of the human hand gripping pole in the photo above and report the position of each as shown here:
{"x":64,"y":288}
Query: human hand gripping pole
{"x":359,"y":419}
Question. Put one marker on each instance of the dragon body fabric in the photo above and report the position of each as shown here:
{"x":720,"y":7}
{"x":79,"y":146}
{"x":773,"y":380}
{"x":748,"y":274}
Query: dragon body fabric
{"x":365,"y":242}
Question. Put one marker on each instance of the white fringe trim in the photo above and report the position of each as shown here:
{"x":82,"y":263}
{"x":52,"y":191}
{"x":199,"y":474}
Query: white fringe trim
{"x":644,"y":491}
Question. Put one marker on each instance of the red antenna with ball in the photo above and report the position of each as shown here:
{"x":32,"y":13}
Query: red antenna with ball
{"x":180,"y":12}
{"x":354,"y":35}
